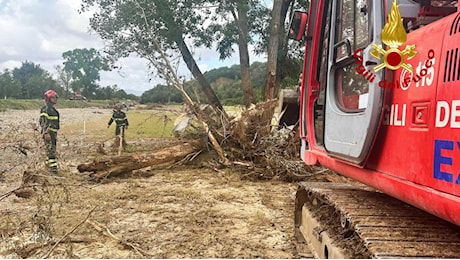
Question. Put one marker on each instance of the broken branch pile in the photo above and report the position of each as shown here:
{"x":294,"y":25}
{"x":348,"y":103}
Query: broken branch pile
{"x":248,"y":142}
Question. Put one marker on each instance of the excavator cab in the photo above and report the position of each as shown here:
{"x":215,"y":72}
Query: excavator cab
{"x":342,"y":104}
{"x":346,"y":72}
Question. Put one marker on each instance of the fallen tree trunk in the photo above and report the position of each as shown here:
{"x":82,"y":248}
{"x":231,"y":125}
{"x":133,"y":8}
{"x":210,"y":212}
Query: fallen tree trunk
{"x":115,"y":166}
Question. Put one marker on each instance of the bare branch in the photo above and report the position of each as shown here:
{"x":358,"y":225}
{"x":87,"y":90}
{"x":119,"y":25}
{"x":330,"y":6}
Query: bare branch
{"x":9,"y":193}
{"x":68,"y":233}
{"x":108,"y":233}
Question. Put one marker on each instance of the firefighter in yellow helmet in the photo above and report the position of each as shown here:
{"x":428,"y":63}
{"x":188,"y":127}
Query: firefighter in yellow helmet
{"x":49,"y":123}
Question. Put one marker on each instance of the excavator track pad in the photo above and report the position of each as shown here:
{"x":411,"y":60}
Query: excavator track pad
{"x":337,"y":220}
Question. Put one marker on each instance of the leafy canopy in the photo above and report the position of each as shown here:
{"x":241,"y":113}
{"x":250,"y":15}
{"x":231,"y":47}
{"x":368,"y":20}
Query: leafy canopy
{"x":85,"y":66}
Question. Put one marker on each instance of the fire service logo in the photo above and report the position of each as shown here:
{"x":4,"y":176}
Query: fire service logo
{"x":393,"y":35}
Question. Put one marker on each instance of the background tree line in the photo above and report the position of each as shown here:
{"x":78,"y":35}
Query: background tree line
{"x":159,"y":29}
{"x":30,"y":81}
{"x":226,"y":83}
{"x":80,"y":72}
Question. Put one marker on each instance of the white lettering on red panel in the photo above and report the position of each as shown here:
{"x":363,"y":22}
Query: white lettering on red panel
{"x":395,"y":115}
{"x":448,"y":114}
{"x":423,"y":76}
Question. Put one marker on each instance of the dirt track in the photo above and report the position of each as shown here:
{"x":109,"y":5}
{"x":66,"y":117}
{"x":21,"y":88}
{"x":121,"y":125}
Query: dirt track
{"x":159,"y":212}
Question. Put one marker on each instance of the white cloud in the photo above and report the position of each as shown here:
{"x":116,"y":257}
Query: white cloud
{"x":203,"y":67}
{"x":10,"y":64}
{"x":40,"y":31}
{"x":9,"y":51}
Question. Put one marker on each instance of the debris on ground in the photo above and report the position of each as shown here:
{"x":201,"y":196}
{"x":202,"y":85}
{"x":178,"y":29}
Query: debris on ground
{"x":163,"y":198}
{"x":249,"y":141}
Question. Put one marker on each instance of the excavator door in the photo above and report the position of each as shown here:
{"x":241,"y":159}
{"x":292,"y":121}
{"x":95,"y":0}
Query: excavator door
{"x":353,"y":97}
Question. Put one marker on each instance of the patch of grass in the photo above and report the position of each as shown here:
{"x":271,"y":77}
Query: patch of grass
{"x":95,"y":129}
{"x":150,"y":123}
{"x":18,"y":104}
{"x":29,"y":104}
{"x":190,"y":194}
{"x":233,"y":108}
{"x":226,"y":195}
{"x":260,"y":218}
{"x":142,"y":124}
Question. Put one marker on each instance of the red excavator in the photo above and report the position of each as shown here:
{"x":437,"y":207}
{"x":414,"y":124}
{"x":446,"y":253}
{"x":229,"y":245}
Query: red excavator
{"x":380,"y":104}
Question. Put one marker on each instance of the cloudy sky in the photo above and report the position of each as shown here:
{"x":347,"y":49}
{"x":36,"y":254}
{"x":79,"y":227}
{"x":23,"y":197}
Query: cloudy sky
{"x":39,"y":31}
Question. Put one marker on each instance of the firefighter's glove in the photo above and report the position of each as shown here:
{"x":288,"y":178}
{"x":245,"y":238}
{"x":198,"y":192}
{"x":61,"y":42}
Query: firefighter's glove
{"x":108,"y":126}
{"x":47,"y":137}
{"x":126,"y":127}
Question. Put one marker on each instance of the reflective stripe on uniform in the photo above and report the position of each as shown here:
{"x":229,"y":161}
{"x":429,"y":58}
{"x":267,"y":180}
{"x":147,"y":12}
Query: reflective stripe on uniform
{"x":49,"y":117}
{"x":52,"y":162}
{"x":120,"y":119}
{"x":52,"y":129}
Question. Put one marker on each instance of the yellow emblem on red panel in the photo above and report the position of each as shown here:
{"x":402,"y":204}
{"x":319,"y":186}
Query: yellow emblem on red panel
{"x":393,"y":35}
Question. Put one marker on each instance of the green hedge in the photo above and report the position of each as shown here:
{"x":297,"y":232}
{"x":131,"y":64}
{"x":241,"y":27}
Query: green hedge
{"x":31,"y":104}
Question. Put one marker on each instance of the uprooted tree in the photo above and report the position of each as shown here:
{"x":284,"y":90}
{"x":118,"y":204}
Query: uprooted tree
{"x":238,"y":141}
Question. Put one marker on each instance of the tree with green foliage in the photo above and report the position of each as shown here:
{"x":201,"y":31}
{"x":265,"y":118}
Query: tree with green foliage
{"x":34,"y":81}
{"x":107,"y":92}
{"x":133,"y":26}
{"x":289,"y":54}
{"x":85,"y":66}
{"x":258,"y":74}
{"x":9,"y":87}
{"x":64,"y":79}
{"x":231,"y":26}
{"x":232,"y":72}
{"x":161,"y":94}
{"x":226,"y":82}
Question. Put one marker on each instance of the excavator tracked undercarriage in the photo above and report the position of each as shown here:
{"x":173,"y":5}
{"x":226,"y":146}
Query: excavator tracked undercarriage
{"x":337,"y":220}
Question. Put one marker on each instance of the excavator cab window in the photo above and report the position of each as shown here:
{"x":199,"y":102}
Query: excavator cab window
{"x":352,"y":33}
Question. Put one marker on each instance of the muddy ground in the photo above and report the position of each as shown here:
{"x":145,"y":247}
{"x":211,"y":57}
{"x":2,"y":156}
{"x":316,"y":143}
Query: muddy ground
{"x":166,"y":211}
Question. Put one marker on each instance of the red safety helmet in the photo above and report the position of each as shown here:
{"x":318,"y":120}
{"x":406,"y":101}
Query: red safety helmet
{"x":50,"y":93}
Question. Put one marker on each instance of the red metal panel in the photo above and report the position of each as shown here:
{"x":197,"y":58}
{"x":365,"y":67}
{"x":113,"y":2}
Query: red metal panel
{"x":446,"y":151}
{"x":405,"y":144}
{"x":416,"y":157}
{"x":438,"y":203}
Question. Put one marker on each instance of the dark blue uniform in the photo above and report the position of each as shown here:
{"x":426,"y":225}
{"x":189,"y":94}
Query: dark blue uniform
{"x":49,"y":123}
{"x":121,"y":121}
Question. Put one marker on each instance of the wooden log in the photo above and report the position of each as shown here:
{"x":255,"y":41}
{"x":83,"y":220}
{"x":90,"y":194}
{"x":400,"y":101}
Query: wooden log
{"x":115,"y":166}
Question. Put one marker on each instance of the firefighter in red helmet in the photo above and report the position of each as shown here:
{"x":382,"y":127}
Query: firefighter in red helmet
{"x":49,"y":123}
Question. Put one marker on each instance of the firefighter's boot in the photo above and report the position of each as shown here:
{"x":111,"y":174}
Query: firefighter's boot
{"x":52,"y":164}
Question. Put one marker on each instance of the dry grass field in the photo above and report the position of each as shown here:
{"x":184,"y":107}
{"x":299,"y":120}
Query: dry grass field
{"x":165,"y":211}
